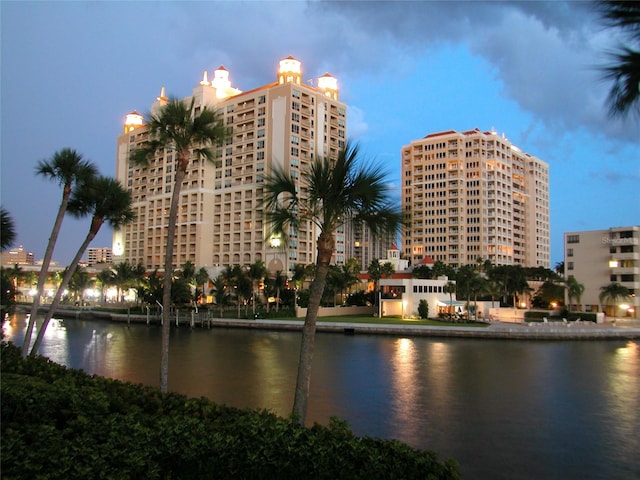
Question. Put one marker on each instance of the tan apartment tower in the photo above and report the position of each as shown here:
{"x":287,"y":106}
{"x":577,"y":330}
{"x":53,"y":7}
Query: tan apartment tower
{"x":221,"y":221}
{"x":597,"y":258}
{"x":474,"y":195}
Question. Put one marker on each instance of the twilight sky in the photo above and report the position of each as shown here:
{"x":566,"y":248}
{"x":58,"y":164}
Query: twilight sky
{"x":71,"y":71}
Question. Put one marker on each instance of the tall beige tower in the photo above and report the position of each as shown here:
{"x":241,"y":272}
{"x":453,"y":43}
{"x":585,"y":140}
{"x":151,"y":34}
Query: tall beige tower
{"x":475,"y":195}
{"x":221,"y":220}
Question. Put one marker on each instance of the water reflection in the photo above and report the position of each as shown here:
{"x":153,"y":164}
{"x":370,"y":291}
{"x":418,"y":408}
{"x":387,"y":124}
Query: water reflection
{"x":504,"y":410}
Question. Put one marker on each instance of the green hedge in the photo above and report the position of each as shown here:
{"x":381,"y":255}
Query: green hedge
{"x":59,"y":423}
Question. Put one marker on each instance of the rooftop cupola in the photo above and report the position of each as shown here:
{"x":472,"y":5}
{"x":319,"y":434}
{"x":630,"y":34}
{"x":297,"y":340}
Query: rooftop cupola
{"x":329,"y":85}
{"x":221,"y":78}
{"x":132,"y":121}
{"x":290,"y":71}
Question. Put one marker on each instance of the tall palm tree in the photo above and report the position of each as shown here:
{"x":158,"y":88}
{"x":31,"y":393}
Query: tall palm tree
{"x":574,"y":290}
{"x":178,"y":126}
{"x":106,"y":200}
{"x":7,"y":230}
{"x":624,"y":71}
{"x":612,"y":293}
{"x":69,"y":169}
{"x":331,"y":193}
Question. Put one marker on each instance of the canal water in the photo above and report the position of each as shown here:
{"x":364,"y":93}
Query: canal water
{"x":503,"y":409}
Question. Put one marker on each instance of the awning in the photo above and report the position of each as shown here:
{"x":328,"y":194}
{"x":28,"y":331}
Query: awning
{"x":453,"y":303}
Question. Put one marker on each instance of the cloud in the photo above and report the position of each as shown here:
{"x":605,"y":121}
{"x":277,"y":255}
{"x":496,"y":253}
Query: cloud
{"x":544,"y":53}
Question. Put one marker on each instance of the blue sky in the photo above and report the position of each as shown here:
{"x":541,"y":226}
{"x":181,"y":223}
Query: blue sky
{"x":71,"y":71}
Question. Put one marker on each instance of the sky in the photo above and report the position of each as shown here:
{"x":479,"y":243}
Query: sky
{"x":71,"y":71}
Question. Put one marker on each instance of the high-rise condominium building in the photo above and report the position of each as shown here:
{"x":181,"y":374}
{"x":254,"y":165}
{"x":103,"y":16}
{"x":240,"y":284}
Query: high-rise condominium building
{"x":221,"y":220}
{"x":474,"y":195}
{"x":597,"y":258}
{"x":99,"y":255}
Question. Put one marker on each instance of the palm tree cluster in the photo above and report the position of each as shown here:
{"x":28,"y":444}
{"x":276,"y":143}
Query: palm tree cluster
{"x":624,"y":71}
{"x":85,"y":193}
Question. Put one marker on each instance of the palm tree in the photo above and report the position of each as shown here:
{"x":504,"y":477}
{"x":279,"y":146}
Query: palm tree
{"x":624,"y":72}
{"x":104,"y":278}
{"x":375,"y":274}
{"x":450,"y":288}
{"x":7,"y":230}
{"x":257,"y":272}
{"x":612,"y":293}
{"x":80,"y":281}
{"x":220,"y":293}
{"x":279,"y":283}
{"x":178,"y":126}
{"x":69,"y":169}
{"x":331,"y":193}
{"x":201,"y":277}
{"x":107,"y":201}
{"x":574,"y":290}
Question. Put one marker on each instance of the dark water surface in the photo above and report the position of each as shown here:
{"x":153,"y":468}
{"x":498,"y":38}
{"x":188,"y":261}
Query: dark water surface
{"x":502,"y":409}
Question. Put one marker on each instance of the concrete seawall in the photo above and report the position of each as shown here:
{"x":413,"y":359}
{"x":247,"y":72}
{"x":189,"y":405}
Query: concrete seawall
{"x":625,"y":330}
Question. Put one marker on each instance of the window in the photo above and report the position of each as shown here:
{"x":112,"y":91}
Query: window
{"x":573,"y":238}
{"x":569,"y":265}
{"x":569,"y":252}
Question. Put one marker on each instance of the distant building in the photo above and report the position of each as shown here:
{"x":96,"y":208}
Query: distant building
{"x":597,"y":258}
{"x":473,"y":195}
{"x":99,"y":255}
{"x":287,"y":123}
{"x":17,"y":256}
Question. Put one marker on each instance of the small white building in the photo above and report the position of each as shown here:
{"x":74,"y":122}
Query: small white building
{"x":401,"y":296}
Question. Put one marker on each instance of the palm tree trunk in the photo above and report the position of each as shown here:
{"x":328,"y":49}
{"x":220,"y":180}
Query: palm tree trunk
{"x":166,"y":281}
{"x":95,"y":227}
{"x":325,"y":247}
{"x":42,"y":276}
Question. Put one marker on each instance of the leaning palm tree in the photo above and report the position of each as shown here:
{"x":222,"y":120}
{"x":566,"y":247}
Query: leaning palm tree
{"x":8,"y":230}
{"x":69,"y":169}
{"x":624,"y":71}
{"x":329,"y":194}
{"x":106,"y":200}
{"x":190,"y":134}
{"x":612,"y":293}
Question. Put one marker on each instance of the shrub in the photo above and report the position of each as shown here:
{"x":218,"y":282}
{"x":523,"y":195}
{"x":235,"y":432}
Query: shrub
{"x":423,"y":309}
{"x":58,"y":423}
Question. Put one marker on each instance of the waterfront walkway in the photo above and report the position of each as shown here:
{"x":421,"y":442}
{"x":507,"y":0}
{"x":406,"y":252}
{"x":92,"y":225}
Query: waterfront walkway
{"x":503,"y":330}
{"x":554,"y":330}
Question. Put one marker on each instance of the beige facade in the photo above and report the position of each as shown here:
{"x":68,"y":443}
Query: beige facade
{"x":17,"y":256}
{"x":597,"y":258}
{"x":99,"y":255}
{"x":474,"y":195}
{"x":221,"y":219}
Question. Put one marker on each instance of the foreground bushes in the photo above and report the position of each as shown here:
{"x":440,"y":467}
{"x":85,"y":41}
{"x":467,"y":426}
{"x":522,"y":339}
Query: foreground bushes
{"x":62,"y":423}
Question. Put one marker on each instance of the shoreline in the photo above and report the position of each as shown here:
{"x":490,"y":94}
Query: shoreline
{"x":623,"y":330}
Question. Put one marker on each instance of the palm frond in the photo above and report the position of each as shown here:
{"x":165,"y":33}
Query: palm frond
{"x":624,"y":72}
